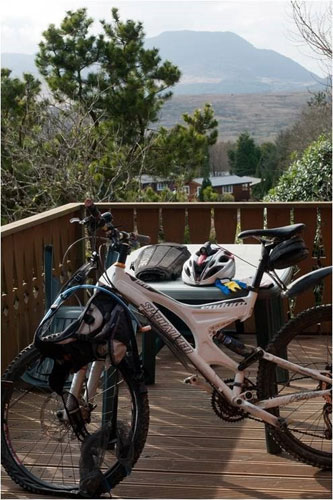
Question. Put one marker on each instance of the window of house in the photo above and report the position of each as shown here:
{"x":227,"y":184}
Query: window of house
{"x":245,"y":187}
{"x":198,"y":190}
{"x":160,"y":186}
{"x":227,"y":189}
{"x":186,"y":189}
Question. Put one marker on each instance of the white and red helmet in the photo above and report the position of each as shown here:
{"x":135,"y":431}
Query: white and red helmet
{"x":209,"y":263}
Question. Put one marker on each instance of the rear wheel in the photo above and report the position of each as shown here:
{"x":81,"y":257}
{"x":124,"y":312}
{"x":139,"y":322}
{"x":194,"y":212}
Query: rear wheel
{"x":41,"y":452}
{"x":306,"y":341}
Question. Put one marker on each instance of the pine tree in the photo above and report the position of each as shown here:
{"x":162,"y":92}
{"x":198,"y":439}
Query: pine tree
{"x":245,"y":157}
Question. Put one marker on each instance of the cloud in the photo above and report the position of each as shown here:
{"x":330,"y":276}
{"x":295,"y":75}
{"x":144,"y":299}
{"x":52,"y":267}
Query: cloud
{"x":265,"y":24}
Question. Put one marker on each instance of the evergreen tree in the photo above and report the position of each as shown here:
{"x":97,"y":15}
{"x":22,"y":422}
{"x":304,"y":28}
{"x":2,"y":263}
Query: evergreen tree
{"x":266,"y":169}
{"x":205,"y":184}
{"x":111,"y":74}
{"x":245,"y":157}
{"x":183,"y":149}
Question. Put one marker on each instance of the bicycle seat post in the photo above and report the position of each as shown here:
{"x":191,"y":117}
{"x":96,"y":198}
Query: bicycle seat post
{"x":262,"y":266}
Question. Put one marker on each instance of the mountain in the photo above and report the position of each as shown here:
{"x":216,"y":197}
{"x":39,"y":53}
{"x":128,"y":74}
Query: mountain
{"x":212,"y":63}
{"x":223,"y":62}
{"x":250,"y":89}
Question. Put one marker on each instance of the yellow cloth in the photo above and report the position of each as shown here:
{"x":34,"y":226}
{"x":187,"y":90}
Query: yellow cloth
{"x":232,"y":285}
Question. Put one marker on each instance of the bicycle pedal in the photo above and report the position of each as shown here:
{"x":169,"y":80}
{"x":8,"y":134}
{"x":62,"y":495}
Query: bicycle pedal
{"x":251,"y":358}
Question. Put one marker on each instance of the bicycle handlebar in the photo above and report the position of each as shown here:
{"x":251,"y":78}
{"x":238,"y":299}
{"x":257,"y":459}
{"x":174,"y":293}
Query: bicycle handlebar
{"x":141,"y":238}
{"x":92,"y":209}
{"x":96,"y":220}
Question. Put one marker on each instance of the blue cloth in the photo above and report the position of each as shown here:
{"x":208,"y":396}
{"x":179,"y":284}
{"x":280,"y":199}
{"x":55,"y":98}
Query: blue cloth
{"x":230,"y":286}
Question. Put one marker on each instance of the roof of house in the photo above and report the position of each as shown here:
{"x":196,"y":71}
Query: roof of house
{"x":229,"y":180}
{"x":148,"y":179}
{"x":221,"y":180}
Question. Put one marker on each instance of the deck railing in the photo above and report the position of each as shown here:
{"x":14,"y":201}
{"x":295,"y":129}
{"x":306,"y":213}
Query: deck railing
{"x":23,"y":243}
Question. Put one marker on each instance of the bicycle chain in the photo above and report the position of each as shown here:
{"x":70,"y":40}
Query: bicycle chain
{"x":293,"y":430}
{"x":233,"y":411}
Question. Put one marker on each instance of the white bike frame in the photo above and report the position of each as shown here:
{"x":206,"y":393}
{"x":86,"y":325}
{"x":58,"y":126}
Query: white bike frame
{"x":204,"y":321}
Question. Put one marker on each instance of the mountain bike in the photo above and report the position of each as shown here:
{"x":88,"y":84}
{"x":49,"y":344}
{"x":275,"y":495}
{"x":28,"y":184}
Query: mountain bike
{"x":44,"y":432}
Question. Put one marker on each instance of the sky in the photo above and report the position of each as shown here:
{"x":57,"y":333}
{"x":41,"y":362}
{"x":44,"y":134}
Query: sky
{"x":267,"y":24}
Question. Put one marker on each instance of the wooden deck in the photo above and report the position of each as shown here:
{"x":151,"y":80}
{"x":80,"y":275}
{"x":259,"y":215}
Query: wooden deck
{"x":190,"y":453}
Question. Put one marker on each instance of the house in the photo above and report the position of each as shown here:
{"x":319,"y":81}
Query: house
{"x":160,"y":183}
{"x":239,"y":187}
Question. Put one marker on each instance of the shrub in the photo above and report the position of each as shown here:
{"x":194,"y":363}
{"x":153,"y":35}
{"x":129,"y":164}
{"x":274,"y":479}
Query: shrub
{"x":309,"y":178}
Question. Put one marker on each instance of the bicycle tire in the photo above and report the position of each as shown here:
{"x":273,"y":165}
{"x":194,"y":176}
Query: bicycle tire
{"x":43,"y":457}
{"x":304,"y":436}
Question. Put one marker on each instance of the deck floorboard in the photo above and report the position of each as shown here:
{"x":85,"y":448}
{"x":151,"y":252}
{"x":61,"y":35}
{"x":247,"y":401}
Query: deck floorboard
{"x":190,"y":453}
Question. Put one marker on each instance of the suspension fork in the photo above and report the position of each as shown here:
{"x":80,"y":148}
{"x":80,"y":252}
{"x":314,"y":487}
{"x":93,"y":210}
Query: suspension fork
{"x":110,"y":390}
{"x":79,"y":379}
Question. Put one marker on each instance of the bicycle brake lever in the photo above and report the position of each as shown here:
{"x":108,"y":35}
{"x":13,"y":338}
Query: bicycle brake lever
{"x":79,"y":221}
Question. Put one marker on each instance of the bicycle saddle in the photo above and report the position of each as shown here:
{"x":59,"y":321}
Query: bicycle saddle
{"x":282,"y":233}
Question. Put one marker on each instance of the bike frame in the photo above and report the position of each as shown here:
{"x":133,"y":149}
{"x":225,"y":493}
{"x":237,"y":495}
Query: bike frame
{"x":204,"y":321}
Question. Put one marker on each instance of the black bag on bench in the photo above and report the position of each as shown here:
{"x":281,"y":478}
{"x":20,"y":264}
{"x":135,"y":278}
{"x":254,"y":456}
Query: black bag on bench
{"x":161,"y":262}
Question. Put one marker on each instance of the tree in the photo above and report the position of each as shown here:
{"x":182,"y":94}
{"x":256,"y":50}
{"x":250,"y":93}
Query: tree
{"x":267,"y":169}
{"x":245,"y":157}
{"x":50,"y":155}
{"x":206,"y":183}
{"x":117,"y":83}
{"x":21,"y":119}
{"x":315,"y":120}
{"x":111,"y":75}
{"x":93,"y":138}
{"x":183,"y":149}
{"x":315,"y":30}
{"x":309,"y":178}
{"x":218,"y":157}
{"x":19,"y":104}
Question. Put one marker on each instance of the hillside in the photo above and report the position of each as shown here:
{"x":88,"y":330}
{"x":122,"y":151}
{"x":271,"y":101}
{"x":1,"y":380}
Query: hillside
{"x":223,"y":62}
{"x":262,"y":115}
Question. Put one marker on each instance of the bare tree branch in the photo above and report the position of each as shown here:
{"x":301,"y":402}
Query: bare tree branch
{"x":314,"y":30}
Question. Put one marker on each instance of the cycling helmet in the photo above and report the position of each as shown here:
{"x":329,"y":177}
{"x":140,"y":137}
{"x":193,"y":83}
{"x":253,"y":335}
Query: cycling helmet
{"x":208,"y":264}
{"x":288,"y":253}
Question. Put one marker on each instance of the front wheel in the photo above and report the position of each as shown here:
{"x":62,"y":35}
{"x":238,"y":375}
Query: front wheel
{"x":40,"y":451}
{"x":306,"y":341}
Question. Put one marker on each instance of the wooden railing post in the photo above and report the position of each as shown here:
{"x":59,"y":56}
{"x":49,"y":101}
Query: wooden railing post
{"x":225,"y":222}
{"x":199,"y":222}
{"x":173,"y":223}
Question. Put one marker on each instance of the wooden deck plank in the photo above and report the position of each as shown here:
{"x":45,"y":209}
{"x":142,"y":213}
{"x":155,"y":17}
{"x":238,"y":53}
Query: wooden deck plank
{"x":191,"y":453}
